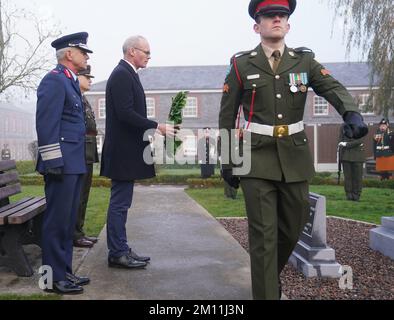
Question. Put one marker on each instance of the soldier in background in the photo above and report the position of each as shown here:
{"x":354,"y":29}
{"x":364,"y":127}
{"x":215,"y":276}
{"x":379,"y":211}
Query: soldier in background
{"x":91,"y":157}
{"x":383,"y":150}
{"x":351,"y":154}
{"x":6,"y":153}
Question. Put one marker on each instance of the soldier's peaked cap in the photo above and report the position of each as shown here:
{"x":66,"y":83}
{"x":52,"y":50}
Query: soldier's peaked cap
{"x":76,"y":40}
{"x":384,"y":121}
{"x":86,"y":72}
{"x":259,"y":7}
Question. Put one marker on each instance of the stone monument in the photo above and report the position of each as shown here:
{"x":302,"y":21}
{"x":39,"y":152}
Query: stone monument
{"x":311,"y":255}
{"x":382,"y":238}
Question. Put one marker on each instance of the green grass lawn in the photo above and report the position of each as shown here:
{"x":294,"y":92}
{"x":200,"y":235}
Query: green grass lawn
{"x":374,"y":203}
{"x":96,"y":212}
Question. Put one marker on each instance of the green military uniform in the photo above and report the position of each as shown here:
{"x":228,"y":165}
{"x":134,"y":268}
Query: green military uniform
{"x":352,"y":157}
{"x":91,"y":156}
{"x":276,"y":189}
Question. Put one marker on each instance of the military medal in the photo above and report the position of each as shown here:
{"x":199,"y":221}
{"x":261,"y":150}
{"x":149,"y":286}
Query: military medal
{"x":298,"y":82}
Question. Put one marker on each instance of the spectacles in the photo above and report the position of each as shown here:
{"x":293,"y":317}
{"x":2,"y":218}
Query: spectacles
{"x":146,"y":52}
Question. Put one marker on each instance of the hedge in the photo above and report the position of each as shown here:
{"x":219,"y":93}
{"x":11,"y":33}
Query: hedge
{"x":195,"y":181}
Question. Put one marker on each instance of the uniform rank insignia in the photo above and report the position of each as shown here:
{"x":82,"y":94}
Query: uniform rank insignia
{"x":67,"y":73}
{"x":298,"y":82}
{"x":226,"y":88}
{"x":325,"y":72}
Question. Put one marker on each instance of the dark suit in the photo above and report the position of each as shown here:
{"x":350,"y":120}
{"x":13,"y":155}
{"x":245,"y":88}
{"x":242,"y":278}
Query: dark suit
{"x":123,"y":150}
{"x":61,"y":144}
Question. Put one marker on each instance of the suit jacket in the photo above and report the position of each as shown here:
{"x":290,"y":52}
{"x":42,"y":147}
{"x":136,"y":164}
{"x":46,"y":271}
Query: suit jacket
{"x":272,"y":157}
{"x":126,"y":123}
{"x":354,"y":150}
{"x":60,"y":123}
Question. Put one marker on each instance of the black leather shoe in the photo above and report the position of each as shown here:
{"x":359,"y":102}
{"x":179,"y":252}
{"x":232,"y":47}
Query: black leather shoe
{"x":125,"y":262}
{"x":78,"y":281}
{"x":83,"y":243}
{"x":137,"y":257}
{"x":65,"y":287}
{"x":91,"y":239}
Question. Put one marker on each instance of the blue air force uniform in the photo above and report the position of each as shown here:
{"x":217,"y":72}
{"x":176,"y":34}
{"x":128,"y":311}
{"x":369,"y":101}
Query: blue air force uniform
{"x":60,"y":126}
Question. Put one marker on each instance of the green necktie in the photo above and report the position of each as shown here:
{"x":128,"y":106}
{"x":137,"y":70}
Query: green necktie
{"x":276,"y":55}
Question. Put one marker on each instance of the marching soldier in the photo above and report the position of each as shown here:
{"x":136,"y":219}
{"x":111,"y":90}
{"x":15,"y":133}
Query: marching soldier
{"x":61,"y":143}
{"x":352,"y":158}
{"x":383,"y":150}
{"x":271,"y":83}
{"x":91,"y":155}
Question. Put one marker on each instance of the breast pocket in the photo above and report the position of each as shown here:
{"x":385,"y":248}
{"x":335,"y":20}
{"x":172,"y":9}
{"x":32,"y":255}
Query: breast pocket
{"x":260,"y":85}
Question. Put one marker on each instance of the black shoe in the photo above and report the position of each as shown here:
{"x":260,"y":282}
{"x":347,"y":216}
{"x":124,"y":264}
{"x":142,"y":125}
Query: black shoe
{"x":83,"y":243}
{"x":91,"y":239}
{"x":125,"y":262}
{"x":280,"y":289}
{"x":65,"y":287}
{"x":78,"y":281}
{"x":135,"y":256}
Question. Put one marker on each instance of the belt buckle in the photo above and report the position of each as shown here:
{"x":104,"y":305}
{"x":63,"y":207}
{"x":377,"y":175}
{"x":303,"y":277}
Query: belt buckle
{"x":281,"y":131}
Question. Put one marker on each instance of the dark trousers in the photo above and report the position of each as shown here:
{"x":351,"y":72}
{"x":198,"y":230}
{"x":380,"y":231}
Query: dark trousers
{"x":277,"y":213}
{"x":120,"y":202}
{"x":353,"y":172}
{"x":58,"y":224}
{"x":83,"y":202}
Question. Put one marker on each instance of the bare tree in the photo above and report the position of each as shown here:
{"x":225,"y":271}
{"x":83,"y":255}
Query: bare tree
{"x":23,"y":55}
{"x":369,"y":26}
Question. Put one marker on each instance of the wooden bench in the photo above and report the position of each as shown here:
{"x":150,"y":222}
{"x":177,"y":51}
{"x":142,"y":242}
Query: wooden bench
{"x":20,"y":222}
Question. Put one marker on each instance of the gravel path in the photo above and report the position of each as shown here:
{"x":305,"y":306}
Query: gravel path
{"x":373,"y":273}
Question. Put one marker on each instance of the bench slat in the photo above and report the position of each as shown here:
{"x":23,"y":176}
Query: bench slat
{"x":8,"y":177}
{"x":7,"y":191}
{"x":29,"y":212}
{"x":14,"y":209}
{"x":7,"y":165}
{"x":12,"y":205}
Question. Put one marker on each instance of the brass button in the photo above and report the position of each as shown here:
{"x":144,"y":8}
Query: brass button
{"x":279,"y":96}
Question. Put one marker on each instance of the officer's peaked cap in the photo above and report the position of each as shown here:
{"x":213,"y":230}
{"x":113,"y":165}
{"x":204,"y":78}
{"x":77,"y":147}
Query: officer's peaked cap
{"x":384,"y":121}
{"x":86,"y":72}
{"x":76,"y":40}
{"x":262,"y":7}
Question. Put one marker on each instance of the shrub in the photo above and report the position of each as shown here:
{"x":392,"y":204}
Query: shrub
{"x":26,"y":167}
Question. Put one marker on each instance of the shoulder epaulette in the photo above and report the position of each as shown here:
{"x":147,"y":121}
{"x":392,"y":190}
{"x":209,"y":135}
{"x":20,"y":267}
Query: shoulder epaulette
{"x":304,"y":50}
{"x":240,"y":54}
{"x":55,"y":71}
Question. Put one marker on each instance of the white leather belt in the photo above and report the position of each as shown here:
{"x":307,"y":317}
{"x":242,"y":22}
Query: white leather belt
{"x":383,"y":148}
{"x":276,"y":131}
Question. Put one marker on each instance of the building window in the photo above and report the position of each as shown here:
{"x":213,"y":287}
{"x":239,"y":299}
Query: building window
{"x":190,"y":110}
{"x":101,"y":104}
{"x":150,"y":107}
{"x":365,"y":105}
{"x":190,"y":146}
{"x":320,"y":106}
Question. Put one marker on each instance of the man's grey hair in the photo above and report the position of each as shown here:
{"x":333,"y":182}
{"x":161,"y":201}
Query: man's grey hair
{"x":132,"y":42}
{"x":61,"y":53}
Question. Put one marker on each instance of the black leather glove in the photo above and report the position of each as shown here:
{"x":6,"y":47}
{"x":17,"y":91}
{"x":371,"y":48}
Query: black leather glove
{"x":55,"y":173}
{"x":227,"y":175}
{"x":354,"y":128}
